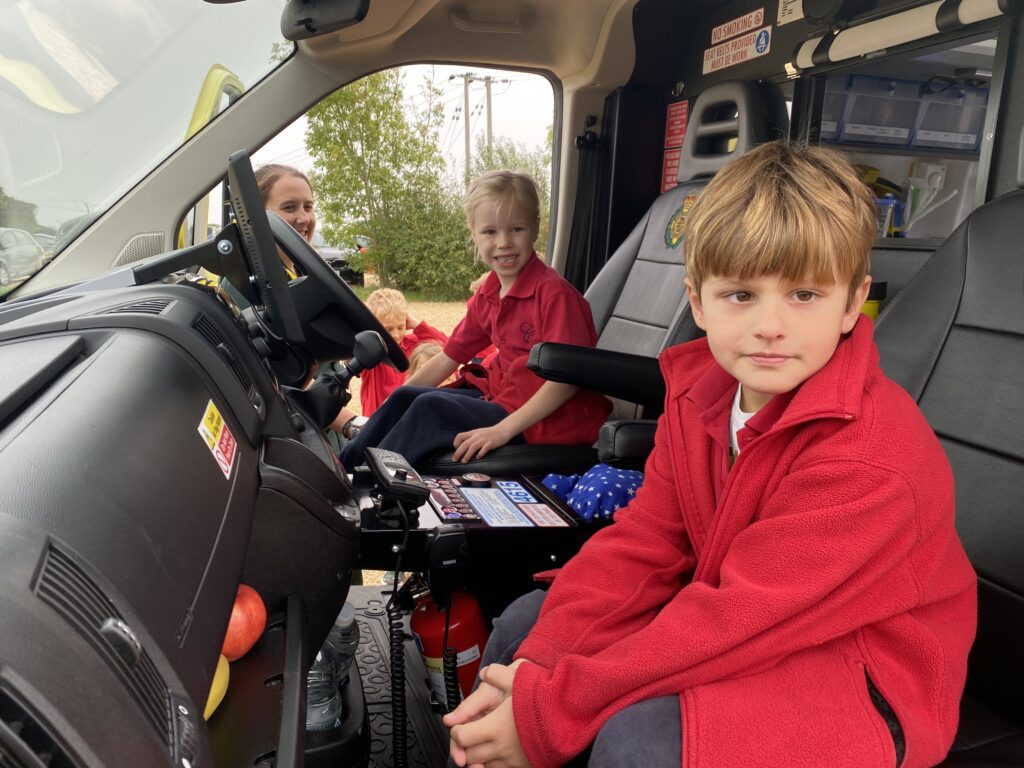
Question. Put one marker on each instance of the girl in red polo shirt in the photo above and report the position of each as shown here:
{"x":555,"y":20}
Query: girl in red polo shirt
{"x":521,"y":303}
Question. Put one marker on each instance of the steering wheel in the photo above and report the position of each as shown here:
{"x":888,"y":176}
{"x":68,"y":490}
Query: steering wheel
{"x":329,"y":310}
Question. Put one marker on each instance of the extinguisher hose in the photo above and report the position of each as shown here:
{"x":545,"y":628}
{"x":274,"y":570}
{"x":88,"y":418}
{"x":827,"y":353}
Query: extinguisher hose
{"x":450,"y":665}
{"x":396,"y":639}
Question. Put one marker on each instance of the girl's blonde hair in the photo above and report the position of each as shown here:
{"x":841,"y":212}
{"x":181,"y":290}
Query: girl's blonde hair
{"x":784,"y":209}
{"x":421,"y":354}
{"x":268,"y":175}
{"x":506,"y":188}
{"x":387,"y":303}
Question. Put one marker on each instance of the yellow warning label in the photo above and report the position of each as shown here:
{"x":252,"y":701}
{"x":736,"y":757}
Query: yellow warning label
{"x":219,"y":438}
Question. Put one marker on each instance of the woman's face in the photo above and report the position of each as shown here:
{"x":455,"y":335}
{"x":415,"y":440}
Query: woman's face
{"x":292,"y":199}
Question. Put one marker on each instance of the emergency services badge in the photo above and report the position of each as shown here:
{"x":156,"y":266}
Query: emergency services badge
{"x":674,"y":230}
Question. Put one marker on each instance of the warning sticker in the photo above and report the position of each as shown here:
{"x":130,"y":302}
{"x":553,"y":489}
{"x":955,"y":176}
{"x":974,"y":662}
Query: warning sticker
{"x":744,"y":23}
{"x":670,"y":168}
{"x":544,"y":516}
{"x":675,"y":123}
{"x":218,"y":439}
{"x":496,"y":508}
{"x":790,"y":10}
{"x":746,"y":47}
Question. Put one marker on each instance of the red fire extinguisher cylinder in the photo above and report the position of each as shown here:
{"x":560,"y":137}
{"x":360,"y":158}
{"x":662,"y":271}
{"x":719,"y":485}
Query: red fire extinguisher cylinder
{"x":467,"y":634}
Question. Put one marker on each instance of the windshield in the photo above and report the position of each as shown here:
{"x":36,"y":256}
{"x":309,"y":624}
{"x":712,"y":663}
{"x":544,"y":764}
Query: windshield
{"x":95,"y":93}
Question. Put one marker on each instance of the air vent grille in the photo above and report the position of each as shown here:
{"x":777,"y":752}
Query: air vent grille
{"x":209,"y":331}
{"x":25,"y":739}
{"x":145,"y":307}
{"x":65,"y":587}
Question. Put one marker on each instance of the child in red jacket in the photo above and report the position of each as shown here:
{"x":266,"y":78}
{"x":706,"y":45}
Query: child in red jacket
{"x":390,"y":307}
{"x":522,"y":302}
{"x":787,"y":588}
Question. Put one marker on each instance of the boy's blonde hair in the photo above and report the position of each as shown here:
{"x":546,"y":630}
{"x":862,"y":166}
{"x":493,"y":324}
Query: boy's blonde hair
{"x":506,"y":188}
{"x":784,"y":209}
{"x":421,"y":354}
{"x":387,"y":303}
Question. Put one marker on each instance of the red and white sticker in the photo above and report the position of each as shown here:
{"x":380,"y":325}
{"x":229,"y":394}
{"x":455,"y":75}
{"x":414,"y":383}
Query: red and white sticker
{"x":744,"y":48}
{"x":675,"y":123}
{"x":544,"y":516}
{"x":744,"y":23}
{"x":218,"y":439}
{"x":670,"y":168}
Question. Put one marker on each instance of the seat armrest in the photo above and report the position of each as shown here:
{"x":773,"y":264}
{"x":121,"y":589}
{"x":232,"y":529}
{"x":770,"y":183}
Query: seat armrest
{"x":635,"y":378}
{"x":626,"y":441}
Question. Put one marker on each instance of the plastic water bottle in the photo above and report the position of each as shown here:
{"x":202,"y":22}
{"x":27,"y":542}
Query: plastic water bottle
{"x":344,"y":638}
{"x":330,"y":671}
{"x":323,"y":691}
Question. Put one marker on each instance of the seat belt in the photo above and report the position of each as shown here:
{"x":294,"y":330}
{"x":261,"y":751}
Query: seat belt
{"x":588,"y":244}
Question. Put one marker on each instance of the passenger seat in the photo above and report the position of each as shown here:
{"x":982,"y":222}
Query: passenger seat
{"x":954,"y":339}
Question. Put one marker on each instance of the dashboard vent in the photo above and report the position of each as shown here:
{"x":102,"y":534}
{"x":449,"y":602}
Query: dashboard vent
{"x":145,"y":307}
{"x":66,"y":588}
{"x":25,"y":740}
{"x":206,"y":328}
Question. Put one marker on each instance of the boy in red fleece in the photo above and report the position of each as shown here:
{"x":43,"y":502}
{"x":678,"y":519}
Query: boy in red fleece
{"x":788,"y":587}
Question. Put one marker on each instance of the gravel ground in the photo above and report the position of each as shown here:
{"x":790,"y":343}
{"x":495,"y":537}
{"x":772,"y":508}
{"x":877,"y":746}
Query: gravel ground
{"x":442,"y":315}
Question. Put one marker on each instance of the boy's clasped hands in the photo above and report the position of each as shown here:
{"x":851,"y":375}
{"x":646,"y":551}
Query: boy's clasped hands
{"x":483,"y":729}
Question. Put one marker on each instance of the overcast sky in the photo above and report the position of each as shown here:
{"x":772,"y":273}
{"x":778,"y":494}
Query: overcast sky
{"x":522,"y":108}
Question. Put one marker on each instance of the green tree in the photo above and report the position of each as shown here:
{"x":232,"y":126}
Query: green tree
{"x":18,"y":214}
{"x":516,"y":156}
{"x":378,"y":170}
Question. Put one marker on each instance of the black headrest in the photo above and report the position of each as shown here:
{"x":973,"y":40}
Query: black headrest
{"x":749,"y":113}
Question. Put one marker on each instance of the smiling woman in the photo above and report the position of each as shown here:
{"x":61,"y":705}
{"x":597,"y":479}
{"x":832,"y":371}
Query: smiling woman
{"x":288,"y":192}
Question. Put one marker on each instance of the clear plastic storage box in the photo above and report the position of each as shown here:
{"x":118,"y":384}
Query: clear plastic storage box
{"x":880,"y":110}
{"x":952,"y":119}
{"x":833,"y":107}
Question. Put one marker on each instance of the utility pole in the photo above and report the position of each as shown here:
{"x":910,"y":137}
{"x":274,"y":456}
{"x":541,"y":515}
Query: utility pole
{"x":467,"y":78}
{"x":487,"y":84}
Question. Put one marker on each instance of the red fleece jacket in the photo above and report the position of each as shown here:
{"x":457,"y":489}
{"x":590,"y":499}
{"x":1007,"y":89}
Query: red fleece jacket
{"x":830,"y":555}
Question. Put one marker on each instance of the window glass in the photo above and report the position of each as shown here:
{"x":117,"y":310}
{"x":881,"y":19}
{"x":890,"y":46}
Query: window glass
{"x":388,"y":157}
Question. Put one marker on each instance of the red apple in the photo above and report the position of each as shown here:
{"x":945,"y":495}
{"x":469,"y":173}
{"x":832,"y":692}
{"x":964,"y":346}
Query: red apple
{"x":248,"y":619}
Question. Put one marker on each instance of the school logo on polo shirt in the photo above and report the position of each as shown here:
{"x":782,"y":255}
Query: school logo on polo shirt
{"x":674,"y":230}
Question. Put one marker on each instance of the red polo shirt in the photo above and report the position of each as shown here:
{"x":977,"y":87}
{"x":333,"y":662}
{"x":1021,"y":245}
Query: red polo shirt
{"x":540,"y":306}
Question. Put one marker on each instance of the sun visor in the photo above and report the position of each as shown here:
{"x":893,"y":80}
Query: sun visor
{"x":303,"y":19}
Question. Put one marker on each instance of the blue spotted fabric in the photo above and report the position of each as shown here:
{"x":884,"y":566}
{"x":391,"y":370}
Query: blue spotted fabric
{"x":599,"y":492}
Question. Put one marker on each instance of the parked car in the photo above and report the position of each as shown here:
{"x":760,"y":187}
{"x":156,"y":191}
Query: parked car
{"x":45,"y":239}
{"x":20,"y":255}
{"x":338,"y":258}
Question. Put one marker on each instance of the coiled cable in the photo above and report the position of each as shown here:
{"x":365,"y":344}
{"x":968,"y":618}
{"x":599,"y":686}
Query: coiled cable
{"x":396,"y":641}
{"x":450,"y":665}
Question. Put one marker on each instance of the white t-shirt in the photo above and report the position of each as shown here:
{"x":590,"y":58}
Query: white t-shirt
{"x":737,"y":420}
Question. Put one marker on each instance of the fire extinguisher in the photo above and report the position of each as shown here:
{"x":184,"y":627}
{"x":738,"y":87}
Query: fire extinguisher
{"x":448,"y":624}
{"x":451,"y":642}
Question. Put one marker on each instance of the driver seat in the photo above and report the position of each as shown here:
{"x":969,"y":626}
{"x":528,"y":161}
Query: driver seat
{"x":638,"y":299}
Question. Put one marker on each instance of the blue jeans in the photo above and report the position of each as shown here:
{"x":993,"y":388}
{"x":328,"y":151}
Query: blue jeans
{"x":416,"y":421}
{"x":648,"y":733}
